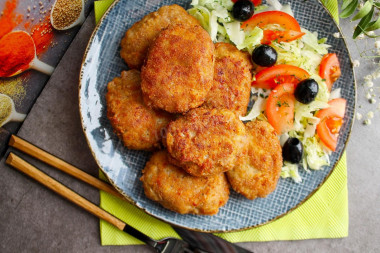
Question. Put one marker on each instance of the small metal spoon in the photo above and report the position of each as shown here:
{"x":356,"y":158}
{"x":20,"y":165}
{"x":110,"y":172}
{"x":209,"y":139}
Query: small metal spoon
{"x":35,"y":63}
{"x":13,"y":116}
{"x":78,"y":21}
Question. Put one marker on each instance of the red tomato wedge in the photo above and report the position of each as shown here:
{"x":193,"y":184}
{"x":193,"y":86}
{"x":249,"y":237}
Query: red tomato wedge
{"x":280,"y":36}
{"x":330,"y":69}
{"x":331,"y":121}
{"x":262,"y":19}
{"x":269,"y":78}
{"x":255,"y":2}
{"x":280,"y":107}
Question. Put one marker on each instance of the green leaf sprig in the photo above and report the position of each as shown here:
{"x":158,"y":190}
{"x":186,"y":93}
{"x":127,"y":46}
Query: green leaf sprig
{"x":367,"y":16}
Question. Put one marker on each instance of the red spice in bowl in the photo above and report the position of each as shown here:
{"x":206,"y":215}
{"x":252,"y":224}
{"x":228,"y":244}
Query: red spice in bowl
{"x":17,"y":51}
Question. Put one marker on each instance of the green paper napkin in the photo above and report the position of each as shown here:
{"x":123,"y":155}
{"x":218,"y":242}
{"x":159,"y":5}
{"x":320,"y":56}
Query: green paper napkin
{"x":324,"y":215}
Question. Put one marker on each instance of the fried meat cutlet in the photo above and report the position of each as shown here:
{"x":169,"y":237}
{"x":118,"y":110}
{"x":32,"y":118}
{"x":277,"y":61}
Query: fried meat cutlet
{"x":232,"y":79}
{"x":258,"y":175}
{"x":179,"y":69}
{"x":135,"y":44}
{"x":138,"y":126}
{"x":180,"y":192}
{"x":206,"y":141}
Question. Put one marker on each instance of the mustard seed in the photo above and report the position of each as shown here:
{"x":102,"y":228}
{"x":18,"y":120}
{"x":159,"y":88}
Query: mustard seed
{"x":65,"y":12}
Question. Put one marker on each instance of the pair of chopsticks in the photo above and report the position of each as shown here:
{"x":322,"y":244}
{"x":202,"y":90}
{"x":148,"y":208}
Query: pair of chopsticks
{"x":23,"y":166}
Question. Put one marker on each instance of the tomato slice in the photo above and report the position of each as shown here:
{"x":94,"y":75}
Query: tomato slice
{"x":281,"y":18}
{"x":330,"y":69}
{"x":255,"y":2}
{"x":280,"y":107}
{"x":269,"y":78}
{"x":331,"y":121}
{"x":280,"y":36}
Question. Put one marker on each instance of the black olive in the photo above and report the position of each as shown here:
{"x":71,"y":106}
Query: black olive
{"x":243,"y":10}
{"x":292,"y":150}
{"x":264,"y":55}
{"x":306,"y":91}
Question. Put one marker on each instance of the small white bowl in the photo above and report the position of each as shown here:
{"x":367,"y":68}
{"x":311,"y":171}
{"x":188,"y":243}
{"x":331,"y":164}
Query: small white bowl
{"x":78,"y":21}
{"x":13,"y":116}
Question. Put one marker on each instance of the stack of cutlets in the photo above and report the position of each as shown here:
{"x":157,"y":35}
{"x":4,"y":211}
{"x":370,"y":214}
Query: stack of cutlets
{"x":186,"y":103}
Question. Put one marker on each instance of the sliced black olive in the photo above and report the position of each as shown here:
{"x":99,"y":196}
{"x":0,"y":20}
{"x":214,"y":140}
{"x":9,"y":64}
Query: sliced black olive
{"x":264,"y":55}
{"x":306,"y":91}
{"x":292,"y":150}
{"x":243,"y":10}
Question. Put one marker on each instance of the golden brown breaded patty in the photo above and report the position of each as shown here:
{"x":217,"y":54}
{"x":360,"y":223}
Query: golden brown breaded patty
{"x":135,"y":44}
{"x":180,"y":192}
{"x":179,"y":69}
{"x":232,"y":79}
{"x":138,"y":126}
{"x":258,"y":175}
{"x":206,"y":141}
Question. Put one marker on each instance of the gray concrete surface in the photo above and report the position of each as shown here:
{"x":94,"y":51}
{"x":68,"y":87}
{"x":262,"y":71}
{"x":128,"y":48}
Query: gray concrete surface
{"x":33,"y":219}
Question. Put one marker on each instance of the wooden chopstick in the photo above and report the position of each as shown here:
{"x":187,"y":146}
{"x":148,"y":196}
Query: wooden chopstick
{"x":62,"y":190}
{"x":47,"y":158}
{"x":77,"y":199}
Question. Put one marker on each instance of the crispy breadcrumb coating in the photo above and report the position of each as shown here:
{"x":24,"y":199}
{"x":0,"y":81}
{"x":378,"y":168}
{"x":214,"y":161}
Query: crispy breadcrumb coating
{"x":207,"y":141}
{"x":258,"y":175}
{"x":180,"y":192}
{"x":232,"y":79}
{"x":135,"y":44}
{"x":179,"y":69}
{"x":138,"y":126}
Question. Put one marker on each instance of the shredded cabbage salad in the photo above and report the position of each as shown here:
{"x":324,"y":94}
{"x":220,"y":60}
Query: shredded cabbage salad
{"x":307,"y":52}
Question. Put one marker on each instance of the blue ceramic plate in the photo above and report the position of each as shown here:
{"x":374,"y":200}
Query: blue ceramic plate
{"x":123,"y":167}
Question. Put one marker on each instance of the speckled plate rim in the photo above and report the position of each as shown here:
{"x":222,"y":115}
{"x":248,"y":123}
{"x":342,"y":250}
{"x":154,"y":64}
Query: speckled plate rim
{"x":131,"y":201}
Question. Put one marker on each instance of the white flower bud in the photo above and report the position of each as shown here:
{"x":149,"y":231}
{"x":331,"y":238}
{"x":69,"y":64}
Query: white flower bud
{"x":367,"y":122}
{"x":370,"y":115}
{"x":376,"y":74}
{"x":356,"y":63}
{"x":368,"y":78}
{"x":371,"y":33}
{"x":368,"y":84}
{"x":336,"y":35}
{"x":359,"y":116}
{"x":360,"y":37}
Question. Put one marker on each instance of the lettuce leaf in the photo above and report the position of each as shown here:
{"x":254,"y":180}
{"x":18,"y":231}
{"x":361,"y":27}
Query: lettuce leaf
{"x":291,"y":170}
